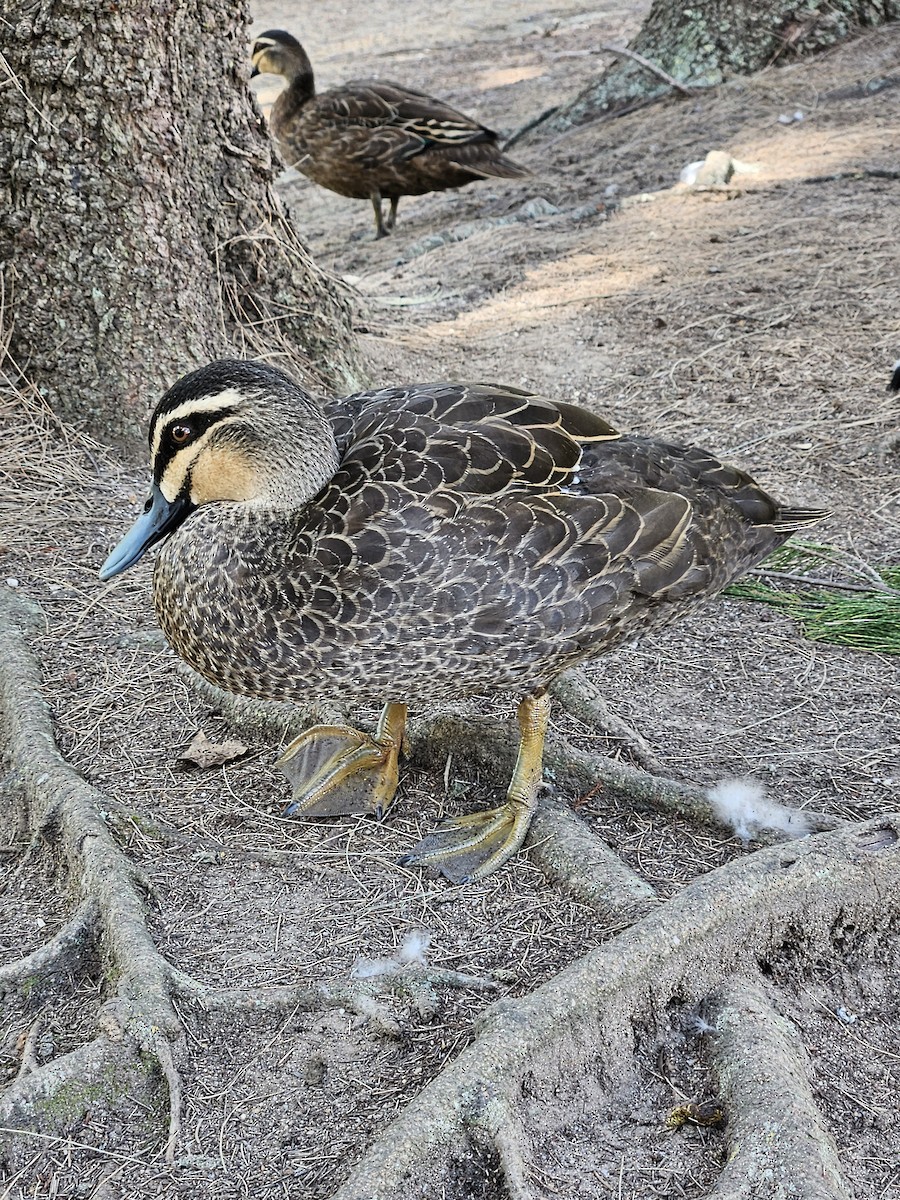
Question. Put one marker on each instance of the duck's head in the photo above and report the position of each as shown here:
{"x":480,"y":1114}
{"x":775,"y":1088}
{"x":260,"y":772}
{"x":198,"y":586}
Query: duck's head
{"x":232,"y":431}
{"x":276,"y":52}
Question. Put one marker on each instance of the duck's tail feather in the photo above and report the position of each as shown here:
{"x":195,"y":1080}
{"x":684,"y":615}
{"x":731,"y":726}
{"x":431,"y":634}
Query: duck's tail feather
{"x":791,"y":519}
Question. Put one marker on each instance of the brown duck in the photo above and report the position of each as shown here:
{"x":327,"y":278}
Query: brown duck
{"x":373,"y":140}
{"x":417,"y":544}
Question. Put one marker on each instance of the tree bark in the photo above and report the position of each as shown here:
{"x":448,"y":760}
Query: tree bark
{"x":139,"y":230}
{"x":703,"y":43}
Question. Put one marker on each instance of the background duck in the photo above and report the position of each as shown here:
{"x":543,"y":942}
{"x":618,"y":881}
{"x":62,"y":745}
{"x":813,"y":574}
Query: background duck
{"x":420,"y":543}
{"x":371,"y":140}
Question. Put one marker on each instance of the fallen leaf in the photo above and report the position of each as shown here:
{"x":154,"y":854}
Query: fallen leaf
{"x":204,"y":753}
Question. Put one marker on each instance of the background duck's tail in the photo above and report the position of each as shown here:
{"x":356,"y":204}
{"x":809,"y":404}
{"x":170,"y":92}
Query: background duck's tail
{"x":499,"y":168}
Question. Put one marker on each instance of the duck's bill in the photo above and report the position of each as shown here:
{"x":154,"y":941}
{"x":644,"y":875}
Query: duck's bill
{"x":160,"y":517}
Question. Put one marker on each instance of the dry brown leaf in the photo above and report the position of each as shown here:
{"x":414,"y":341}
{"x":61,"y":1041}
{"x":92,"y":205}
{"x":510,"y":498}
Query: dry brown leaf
{"x":204,"y":753}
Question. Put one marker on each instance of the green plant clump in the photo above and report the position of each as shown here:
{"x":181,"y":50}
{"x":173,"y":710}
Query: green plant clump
{"x":848,"y":614}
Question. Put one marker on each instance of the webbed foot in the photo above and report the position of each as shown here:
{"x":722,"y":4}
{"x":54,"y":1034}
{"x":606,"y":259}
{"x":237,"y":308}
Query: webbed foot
{"x":467,"y":848}
{"x":337,"y":771}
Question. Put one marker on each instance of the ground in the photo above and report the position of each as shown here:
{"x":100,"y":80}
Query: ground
{"x":758,"y":319}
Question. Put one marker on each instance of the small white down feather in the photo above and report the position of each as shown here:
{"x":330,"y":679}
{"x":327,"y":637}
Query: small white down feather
{"x":410,"y":953}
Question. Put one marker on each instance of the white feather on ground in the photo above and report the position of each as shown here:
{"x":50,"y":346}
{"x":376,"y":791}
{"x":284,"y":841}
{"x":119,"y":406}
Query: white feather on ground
{"x":410,"y":953}
{"x":742,"y":805}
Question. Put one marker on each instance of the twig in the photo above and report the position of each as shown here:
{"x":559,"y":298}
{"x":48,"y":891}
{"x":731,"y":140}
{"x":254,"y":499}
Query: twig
{"x":821,"y":581}
{"x":625,"y":52}
{"x":29,"y":1061}
{"x":173,"y":1083}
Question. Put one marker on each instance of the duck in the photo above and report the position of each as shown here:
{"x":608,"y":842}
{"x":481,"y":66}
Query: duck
{"x":422,"y":543}
{"x":373,"y":140}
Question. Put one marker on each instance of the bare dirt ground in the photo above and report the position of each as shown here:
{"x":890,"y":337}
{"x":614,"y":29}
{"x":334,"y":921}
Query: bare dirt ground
{"x":760,"y":320}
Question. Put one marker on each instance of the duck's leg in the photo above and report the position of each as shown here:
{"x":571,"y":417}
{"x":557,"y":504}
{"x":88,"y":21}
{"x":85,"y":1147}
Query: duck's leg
{"x":380,"y":230}
{"x":392,"y":215}
{"x":467,"y":848}
{"x":337,"y":770}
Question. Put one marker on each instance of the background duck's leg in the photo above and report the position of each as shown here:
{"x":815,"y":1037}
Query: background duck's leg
{"x":337,"y":770}
{"x":471,"y":847}
{"x":392,"y":215}
{"x":380,"y":230}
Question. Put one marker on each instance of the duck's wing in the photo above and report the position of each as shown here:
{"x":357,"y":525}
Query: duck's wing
{"x":423,"y":120}
{"x":468,"y":438}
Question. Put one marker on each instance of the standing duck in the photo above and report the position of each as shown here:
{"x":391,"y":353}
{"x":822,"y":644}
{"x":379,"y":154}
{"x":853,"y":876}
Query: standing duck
{"x":422,"y":543}
{"x":373,"y":140}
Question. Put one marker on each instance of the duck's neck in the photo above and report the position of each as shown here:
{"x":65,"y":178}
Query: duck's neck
{"x":306,"y":462}
{"x":301,"y":81}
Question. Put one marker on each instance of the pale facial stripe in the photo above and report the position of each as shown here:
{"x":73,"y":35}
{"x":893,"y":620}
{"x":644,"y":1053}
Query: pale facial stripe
{"x":229,"y":398}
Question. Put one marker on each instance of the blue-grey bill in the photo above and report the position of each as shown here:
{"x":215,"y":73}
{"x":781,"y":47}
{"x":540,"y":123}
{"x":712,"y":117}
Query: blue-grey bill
{"x":159,"y":517}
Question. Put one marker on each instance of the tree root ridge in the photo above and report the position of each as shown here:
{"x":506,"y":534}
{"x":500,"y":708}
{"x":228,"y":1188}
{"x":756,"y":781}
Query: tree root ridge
{"x":110,"y":916}
{"x":61,"y":956}
{"x":582,"y":698}
{"x":140,"y":1034}
{"x":775,"y":1130}
{"x":717,"y":927}
{"x":363,"y":997}
{"x":583,"y":865}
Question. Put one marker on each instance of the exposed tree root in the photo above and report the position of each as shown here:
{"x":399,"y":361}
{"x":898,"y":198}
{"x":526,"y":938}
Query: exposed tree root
{"x":139,"y":1033}
{"x":583,"y":865}
{"x":110,"y":917}
{"x":775,"y":1130}
{"x":363,"y":997}
{"x":584,"y":700}
{"x":61,"y":956}
{"x":716,"y":926}
{"x":720,"y":926}
{"x":681,"y":50}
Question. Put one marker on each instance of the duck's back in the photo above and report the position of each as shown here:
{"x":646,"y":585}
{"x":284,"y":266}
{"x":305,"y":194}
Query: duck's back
{"x":473,"y":539}
{"x":372,"y":135}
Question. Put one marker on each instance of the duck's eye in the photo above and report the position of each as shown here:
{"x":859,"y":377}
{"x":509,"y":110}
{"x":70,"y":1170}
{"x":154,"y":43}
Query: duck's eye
{"x":181,"y":434}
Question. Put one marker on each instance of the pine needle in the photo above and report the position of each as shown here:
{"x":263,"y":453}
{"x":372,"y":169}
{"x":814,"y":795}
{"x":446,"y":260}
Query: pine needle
{"x":852,"y":605}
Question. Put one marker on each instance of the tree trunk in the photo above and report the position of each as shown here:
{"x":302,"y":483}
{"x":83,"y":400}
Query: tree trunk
{"x":139,"y":230}
{"x":702,"y":44}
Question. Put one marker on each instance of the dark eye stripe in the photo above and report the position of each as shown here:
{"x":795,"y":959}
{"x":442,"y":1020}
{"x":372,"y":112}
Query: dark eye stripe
{"x":199,"y":423}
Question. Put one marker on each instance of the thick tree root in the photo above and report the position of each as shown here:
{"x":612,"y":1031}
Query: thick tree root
{"x":775,"y":1129}
{"x":110,"y":916}
{"x":720,"y":926}
{"x":584,"y":866}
